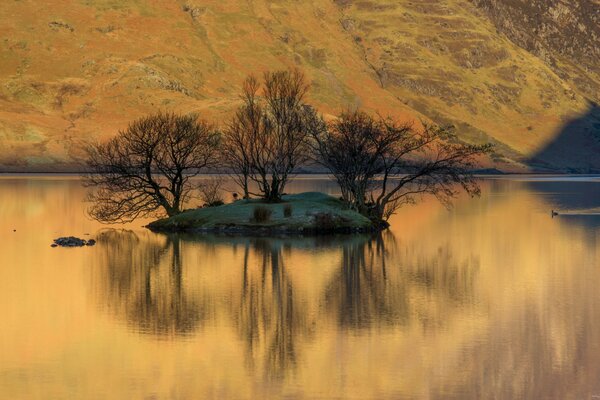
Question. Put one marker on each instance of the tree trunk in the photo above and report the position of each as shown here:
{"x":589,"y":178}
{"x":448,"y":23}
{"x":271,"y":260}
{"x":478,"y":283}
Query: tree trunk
{"x":171,"y":210}
{"x":245,"y":188}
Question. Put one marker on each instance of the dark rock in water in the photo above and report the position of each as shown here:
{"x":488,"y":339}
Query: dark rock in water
{"x":53,"y":245}
{"x":72,"y":241}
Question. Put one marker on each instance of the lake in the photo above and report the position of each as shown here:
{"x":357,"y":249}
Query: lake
{"x":493,"y":298}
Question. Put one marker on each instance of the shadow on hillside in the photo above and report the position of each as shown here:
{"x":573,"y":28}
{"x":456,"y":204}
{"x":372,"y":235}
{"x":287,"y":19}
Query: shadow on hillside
{"x":576,"y":149}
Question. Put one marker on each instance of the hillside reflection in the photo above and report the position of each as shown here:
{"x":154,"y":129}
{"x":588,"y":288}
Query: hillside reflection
{"x":492,"y":299}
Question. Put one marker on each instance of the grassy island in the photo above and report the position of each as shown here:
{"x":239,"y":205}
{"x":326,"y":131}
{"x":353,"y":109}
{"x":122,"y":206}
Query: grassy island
{"x":304,"y":213}
{"x":378,"y":163}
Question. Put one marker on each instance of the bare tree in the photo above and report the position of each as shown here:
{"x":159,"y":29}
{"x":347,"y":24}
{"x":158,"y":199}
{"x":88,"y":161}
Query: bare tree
{"x":350,"y":149}
{"x":211,"y":191}
{"x":146,"y":169}
{"x":240,"y":133}
{"x":267,"y":138}
{"x":381,"y":165}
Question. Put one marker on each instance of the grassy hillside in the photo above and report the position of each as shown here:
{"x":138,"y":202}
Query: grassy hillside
{"x":565,"y":35}
{"x":78,"y":70}
{"x":446,"y":60}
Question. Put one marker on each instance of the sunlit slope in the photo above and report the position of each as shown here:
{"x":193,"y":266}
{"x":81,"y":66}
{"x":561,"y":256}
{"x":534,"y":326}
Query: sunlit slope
{"x":77,"y":71}
{"x":565,"y":35}
{"x":72,"y":71}
{"x":448,"y":61}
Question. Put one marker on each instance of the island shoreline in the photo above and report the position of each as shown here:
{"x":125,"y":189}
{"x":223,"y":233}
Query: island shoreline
{"x":307,"y":214}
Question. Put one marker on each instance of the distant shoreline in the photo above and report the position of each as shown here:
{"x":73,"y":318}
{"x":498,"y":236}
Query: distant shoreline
{"x":476,"y":173}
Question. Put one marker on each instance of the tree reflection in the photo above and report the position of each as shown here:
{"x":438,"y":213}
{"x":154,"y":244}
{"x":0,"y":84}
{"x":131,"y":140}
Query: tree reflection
{"x":443,"y":275}
{"x":142,"y":283}
{"x":167,"y":285}
{"x":368,"y":292}
{"x":361,"y":293}
{"x":270,"y":315}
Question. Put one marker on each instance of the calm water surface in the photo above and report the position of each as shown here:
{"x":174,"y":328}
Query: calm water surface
{"x":492,"y":299}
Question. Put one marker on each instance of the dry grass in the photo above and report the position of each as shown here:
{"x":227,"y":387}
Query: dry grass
{"x":261,"y":214}
{"x":407,"y":59}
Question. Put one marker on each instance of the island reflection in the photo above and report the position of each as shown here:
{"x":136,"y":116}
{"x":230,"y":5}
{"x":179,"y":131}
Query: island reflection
{"x":170,"y":286}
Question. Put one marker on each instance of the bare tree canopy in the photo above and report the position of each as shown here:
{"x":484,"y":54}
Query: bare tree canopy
{"x":146,"y":169}
{"x":268,"y":136}
{"x":240,"y":133}
{"x":381,"y":165}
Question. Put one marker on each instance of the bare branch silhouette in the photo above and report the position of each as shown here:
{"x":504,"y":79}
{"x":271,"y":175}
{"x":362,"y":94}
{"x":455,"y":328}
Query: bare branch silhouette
{"x":381,"y":164}
{"x":146,"y":169}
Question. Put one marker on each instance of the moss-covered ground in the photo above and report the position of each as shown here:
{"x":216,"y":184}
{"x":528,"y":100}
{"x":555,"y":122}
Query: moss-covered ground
{"x":311,"y":212}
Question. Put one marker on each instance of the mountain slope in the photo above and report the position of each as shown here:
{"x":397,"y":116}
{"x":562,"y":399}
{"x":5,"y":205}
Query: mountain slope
{"x":564,"y":34}
{"x":79,"y":70}
{"x":448,"y":61}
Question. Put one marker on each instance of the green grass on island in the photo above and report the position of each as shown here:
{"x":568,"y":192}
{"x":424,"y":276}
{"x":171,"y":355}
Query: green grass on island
{"x":310,"y":212}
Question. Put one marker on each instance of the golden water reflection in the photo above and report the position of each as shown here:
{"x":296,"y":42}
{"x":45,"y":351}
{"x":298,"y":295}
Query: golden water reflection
{"x":492,"y":299}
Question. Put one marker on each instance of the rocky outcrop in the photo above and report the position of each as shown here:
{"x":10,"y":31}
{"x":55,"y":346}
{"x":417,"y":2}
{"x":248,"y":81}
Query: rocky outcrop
{"x":453,"y":62}
{"x":564,"y":34}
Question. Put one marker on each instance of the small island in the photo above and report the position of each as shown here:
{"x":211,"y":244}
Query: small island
{"x":303,"y":213}
{"x":379,"y":164}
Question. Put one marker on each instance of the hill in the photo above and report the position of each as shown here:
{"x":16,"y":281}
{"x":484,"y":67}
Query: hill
{"x":78,"y":70}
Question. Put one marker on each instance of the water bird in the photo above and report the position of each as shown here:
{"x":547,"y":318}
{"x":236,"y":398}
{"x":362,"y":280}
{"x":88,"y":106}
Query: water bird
{"x":554,"y":213}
